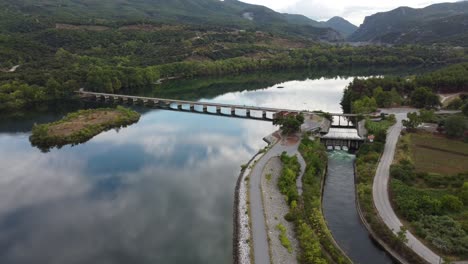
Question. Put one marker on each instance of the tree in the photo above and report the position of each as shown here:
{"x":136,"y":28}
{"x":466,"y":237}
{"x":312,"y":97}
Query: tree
{"x":423,"y":97}
{"x":455,"y":126}
{"x":451,"y":203}
{"x":427,"y":115}
{"x":289,"y":124}
{"x":413,"y":121}
{"x":383,"y":99}
{"x":364,"y":106}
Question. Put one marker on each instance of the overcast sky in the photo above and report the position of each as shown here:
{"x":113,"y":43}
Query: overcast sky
{"x":355,"y":11}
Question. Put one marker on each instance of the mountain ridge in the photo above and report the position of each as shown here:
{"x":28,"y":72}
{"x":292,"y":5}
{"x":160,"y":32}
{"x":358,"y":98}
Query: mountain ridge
{"x":228,"y":13}
{"x":445,"y":23}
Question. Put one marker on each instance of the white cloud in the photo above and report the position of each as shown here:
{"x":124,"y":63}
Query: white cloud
{"x":355,"y":11}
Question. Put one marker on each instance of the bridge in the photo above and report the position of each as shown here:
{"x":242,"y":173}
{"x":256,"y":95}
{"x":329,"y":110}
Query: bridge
{"x":344,"y":132}
{"x":267,"y":113}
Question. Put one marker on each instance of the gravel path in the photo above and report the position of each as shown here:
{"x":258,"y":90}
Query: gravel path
{"x":276,"y":208}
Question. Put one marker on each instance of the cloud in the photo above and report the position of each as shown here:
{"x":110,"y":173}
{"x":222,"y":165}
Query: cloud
{"x":354,"y":11}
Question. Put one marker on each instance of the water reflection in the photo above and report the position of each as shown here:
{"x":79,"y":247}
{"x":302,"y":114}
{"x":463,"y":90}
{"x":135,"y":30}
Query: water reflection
{"x":159,"y":191}
{"x":320,"y":94}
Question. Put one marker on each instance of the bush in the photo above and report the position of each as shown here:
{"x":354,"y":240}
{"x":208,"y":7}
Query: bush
{"x":444,"y":233}
{"x":413,"y":203}
{"x":288,"y":177}
{"x":451,"y":203}
{"x":455,"y":126}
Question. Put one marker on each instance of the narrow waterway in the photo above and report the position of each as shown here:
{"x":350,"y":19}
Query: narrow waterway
{"x":340,"y":211}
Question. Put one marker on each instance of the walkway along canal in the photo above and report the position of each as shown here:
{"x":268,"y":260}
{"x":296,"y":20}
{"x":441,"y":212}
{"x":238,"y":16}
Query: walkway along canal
{"x":339,"y":208}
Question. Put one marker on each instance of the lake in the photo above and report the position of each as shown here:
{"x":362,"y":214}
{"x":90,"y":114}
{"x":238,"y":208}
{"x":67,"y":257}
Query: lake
{"x":159,"y":191}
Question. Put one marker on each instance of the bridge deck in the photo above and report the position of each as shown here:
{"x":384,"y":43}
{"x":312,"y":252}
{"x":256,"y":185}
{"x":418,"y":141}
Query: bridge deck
{"x":232,"y":106}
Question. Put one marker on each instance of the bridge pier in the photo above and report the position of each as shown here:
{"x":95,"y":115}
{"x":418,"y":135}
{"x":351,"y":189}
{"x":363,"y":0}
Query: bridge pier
{"x":192,"y":107}
{"x":205,"y":109}
{"x":179,"y":106}
{"x":247,"y":112}
{"x":233,"y":111}
{"x":218,"y":110}
{"x":264,"y":114}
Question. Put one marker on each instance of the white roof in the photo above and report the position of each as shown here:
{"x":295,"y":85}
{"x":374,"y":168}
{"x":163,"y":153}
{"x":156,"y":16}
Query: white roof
{"x":342,"y":133}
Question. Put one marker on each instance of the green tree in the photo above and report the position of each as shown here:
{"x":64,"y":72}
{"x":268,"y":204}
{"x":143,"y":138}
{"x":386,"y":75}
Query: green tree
{"x":455,"y":126}
{"x":289,"y":124}
{"x":427,"y":115}
{"x":413,"y":121}
{"x":382,"y":98}
{"x":423,"y":97}
{"x":364,"y":106}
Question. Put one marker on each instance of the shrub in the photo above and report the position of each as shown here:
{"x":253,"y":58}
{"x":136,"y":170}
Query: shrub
{"x":451,"y":203}
{"x":444,"y":233}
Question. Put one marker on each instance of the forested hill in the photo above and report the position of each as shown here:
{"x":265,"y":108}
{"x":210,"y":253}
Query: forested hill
{"x":445,"y":23}
{"x":30,"y":15}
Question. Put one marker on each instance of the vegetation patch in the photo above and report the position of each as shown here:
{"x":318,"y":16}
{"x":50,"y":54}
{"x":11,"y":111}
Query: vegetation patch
{"x":432,"y":194}
{"x":366,"y":95}
{"x":81,"y":126}
{"x":283,"y":237}
{"x":315,"y":240}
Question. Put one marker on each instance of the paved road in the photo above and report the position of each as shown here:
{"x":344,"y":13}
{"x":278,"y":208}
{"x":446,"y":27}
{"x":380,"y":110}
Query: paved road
{"x":259,"y":232}
{"x":380,"y":189}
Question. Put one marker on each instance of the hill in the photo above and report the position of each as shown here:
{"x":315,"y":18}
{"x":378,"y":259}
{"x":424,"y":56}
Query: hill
{"x":445,"y":23}
{"x":30,"y":15}
{"x":341,"y":25}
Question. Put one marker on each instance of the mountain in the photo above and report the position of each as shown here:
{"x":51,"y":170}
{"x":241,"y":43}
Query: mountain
{"x":341,"y":25}
{"x":445,"y":23}
{"x":214,"y":13}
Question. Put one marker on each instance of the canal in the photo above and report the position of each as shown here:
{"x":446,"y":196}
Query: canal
{"x":339,"y":208}
{"x":161,"y":190}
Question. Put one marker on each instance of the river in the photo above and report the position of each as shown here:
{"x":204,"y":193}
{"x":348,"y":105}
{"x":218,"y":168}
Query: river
{"x":159,"y":191}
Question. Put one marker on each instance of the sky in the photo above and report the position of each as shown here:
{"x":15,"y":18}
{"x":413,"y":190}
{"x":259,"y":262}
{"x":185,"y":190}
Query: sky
{"x":354,"y":11}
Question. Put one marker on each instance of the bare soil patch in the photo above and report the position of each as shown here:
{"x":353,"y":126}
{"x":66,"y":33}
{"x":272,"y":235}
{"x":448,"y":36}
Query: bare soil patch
{"x":73,"y":126}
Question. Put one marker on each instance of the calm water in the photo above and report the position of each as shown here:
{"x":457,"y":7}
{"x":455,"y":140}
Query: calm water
{"x":159,"y":191}
{"x":339,"y":209}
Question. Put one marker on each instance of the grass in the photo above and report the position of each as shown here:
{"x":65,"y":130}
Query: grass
{"x":80,"y":126}
{"x":438,"y":154}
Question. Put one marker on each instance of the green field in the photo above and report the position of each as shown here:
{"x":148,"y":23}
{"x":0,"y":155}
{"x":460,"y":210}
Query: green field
{"x":438,"y":154}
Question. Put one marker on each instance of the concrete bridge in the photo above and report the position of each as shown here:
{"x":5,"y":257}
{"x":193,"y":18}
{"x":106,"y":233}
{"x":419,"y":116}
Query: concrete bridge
{"x":242,"y":111}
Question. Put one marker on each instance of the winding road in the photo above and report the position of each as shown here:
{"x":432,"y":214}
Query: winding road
{"x":259,"y":229}
{"x":380,"y":188}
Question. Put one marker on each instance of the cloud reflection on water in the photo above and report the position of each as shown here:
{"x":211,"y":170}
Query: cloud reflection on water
{"x":160,"y":191}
